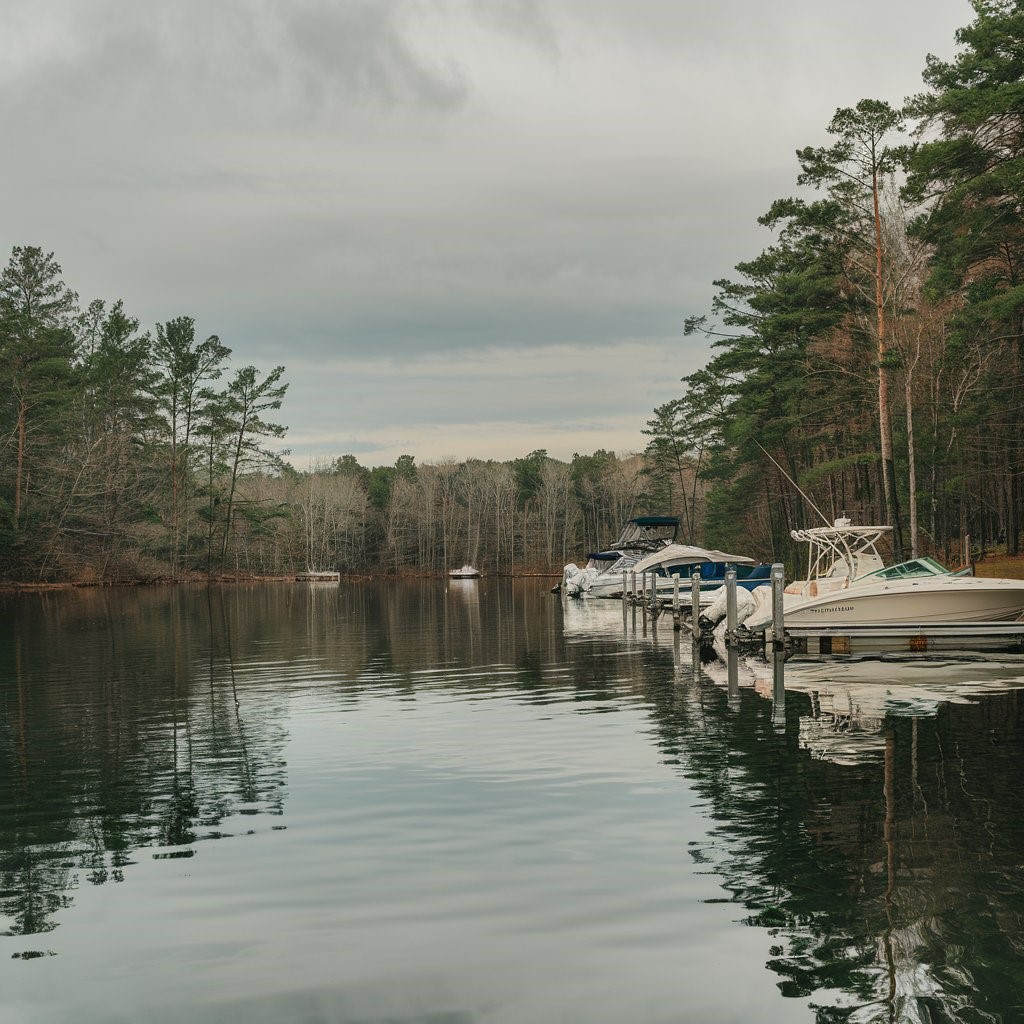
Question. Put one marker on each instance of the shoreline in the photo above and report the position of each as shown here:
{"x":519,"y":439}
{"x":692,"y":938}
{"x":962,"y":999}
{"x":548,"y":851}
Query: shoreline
{"x":20,"y":587}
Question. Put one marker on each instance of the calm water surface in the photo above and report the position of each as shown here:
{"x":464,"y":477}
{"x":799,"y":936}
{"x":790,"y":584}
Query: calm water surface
{"x":468,"y":803}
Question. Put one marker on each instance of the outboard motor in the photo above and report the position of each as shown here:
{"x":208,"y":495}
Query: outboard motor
{"x":577,"y":581}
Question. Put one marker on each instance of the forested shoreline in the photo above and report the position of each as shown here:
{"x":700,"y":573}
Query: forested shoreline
{"x":134,"y":455}
{"x":869,"y":361}
{"x":873,"y":353}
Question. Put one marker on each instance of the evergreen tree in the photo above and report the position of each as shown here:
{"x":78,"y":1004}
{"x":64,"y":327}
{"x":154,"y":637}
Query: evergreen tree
{"x":184,"y":365}
{"x":970,"y":170}
{"x":245,"y":401}
{"x":854,"y":171}
{"x":37,"y":348}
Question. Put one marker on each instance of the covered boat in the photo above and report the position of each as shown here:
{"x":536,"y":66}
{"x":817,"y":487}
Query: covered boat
{"x":684,"y":560}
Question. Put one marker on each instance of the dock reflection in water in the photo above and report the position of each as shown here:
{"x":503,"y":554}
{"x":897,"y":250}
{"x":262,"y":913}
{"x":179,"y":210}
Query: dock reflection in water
{"x":454,"y":803}
{"x":880,"y":839}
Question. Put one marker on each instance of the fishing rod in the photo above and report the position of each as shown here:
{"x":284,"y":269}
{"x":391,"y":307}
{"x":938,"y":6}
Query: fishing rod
{"x":828,"y":522}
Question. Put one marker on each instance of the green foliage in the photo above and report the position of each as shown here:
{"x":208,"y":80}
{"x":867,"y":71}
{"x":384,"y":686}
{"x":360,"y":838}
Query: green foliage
{"x":974,"y":170}
{"x":347,"y":465}
{"x":528,"y":471}
{"x":380,"y":480}
{"x":405,"y":467}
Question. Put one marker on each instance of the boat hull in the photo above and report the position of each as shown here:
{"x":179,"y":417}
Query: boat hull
{"x":936,"y":600}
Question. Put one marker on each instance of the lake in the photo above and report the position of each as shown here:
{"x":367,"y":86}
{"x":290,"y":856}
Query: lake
{"x":468,"y":802}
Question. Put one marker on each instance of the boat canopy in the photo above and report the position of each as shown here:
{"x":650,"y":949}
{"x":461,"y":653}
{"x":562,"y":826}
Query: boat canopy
{"x":647,"y":533}
{"x":687,"y":554}
{"x":605,"y":556}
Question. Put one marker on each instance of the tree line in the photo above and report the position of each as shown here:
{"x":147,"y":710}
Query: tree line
{"x":131,"y":454}
{"x":870,"y":360}
{"x":123,"y":453}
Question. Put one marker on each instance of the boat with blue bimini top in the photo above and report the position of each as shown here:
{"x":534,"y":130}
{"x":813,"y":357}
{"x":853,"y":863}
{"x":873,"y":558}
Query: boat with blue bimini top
{"x":640,"y":536}
{"x":684,"y":560}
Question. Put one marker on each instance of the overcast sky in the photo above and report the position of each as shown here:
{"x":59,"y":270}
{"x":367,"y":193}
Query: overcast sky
{"x":465,"y":227}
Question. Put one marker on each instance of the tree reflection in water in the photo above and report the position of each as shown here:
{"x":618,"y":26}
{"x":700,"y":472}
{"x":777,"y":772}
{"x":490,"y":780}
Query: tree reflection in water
{"x":882,"y":852}
{"x":891,"y":881}
{"x":115,"y":748}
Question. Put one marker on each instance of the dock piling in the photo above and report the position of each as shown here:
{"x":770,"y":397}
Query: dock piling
{"x":731,"y":614}
{"x":695,"y":604}
{"x":778,"y":646}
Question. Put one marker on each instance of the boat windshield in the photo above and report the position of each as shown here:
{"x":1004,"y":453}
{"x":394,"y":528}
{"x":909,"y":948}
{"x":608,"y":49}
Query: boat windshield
{"x":916,"y":568}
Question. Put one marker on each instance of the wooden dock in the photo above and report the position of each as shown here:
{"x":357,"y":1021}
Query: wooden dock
{"x":904,"y":638}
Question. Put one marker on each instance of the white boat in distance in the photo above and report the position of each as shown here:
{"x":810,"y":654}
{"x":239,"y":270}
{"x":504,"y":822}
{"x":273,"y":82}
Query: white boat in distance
{"x":467,"y":572}
{"x":849,"y":584}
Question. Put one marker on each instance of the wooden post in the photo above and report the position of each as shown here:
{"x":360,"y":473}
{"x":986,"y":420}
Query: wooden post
{"x":733,"y":674}
{"x":624,"y":586}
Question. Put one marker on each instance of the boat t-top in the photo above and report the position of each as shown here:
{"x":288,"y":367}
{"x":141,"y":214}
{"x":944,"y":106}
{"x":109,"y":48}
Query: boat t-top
{"x":837,"y":555}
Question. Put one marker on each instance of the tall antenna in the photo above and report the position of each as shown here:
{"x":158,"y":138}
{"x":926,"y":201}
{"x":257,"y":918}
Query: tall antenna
{"x":828,"y":522}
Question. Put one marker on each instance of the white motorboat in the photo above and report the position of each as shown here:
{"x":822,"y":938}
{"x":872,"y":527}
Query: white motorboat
{"x":467,"y":572}
{"x":683,"y":560}
{"x":602,"y":575}
{"x":319,"y":576}
{"x":848,"y":583}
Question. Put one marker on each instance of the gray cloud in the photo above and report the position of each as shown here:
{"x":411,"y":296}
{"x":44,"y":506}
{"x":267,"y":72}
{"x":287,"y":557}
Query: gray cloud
{"x":192,"y":65}
{"x":427,"y":179}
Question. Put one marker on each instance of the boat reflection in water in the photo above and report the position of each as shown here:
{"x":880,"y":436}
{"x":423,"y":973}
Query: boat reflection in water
{"x":878,"y":835}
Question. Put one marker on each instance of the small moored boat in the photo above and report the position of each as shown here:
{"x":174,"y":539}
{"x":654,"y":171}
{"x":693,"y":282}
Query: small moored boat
{"x":467,"y":572}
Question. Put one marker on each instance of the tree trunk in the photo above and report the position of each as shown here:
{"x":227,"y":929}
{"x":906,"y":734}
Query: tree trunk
{"x":1012,"y":517}
{"x":911,"y":468}
{"x":22,"y":409}
{"x":884,"y":422}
